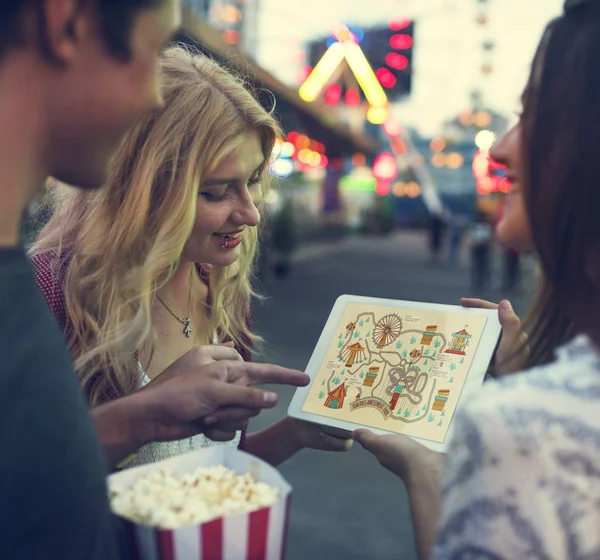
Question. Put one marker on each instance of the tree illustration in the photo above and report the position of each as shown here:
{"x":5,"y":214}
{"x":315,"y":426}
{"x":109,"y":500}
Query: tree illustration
{"x":426,"y":352}
{"x":452,"y":366}
{"x":341,"y":344}
{"x":323,"y":383}
{"x":434,"y":355}
{"x":443,"y":413}
{"x":343,"y":372}
{"x":321,"y":395}
{"x":437,"y":343}
{"x":398,"y":345}
{"x":425,"y":363}
{"x":404,"y":354}
{"x":452,"y":379}
{"x":361,"y":323}
{"x":413,"y":339}
{"x":340,"y":335}
{"x":356,"y":334}
{"x":362,"y":374}
{"x":440,"y":423}
{"x":431,"y":417}
{"x":367,"y":320}
{"x":462,"y":361}
{"x":368,"y":334}
{"x":406,"y":413}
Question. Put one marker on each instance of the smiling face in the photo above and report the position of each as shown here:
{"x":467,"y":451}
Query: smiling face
{"x":227,"y":206}
{"x":513,"y":227}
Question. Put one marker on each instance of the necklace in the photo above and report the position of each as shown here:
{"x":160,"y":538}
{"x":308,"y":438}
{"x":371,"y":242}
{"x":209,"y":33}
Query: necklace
{"x":186,"y":322}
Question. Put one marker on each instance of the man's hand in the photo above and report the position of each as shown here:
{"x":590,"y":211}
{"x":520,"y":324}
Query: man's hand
{"x":205,"y":391}
{"x":509,"y":354}
{"x":196,"y":395}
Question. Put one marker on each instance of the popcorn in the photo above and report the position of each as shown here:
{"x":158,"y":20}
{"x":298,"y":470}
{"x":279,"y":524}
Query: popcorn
{"x":163,"y":500}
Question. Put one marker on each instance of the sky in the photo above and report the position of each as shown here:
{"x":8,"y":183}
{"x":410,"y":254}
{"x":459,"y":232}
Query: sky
{"x":447,"y":55}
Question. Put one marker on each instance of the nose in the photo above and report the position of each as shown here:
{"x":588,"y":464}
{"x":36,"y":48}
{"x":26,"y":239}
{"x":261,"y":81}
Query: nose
{"x":500,"y":151}
{"x":246,"y":212}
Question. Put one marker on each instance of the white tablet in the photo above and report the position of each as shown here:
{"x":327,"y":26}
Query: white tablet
{"x":396,"y":366}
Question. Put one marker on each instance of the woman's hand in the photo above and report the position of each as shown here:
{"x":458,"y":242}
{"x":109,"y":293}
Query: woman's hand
{"x":401,"y":455}
{"x":311,"y":436}
{"x":509,"y":355}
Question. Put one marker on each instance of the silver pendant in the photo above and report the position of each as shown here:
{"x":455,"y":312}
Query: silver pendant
{"x":187,"y":329}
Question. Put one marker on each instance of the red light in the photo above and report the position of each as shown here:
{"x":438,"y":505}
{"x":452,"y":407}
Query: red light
{"x":397,"y":61}
{"x":385,"y":167}
{"x":399,"y":24}
{"x":324,"y":162}
{"x":383,"y":188}
{"x":292,"y":137}
{"x":299,"y":57}
{"x":401,"y":42}
{"x":386,"y":78}
{"x":399,"y":146}
{"x":333,"y":94}
{"x":352,"y":97}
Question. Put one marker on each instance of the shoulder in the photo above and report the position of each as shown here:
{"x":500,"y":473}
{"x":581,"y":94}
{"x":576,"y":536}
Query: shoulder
{"x":50,"y":269}
{"x":523,"y":461}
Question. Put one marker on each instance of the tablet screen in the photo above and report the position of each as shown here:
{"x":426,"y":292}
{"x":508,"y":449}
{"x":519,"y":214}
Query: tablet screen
{"x":396,"y":369}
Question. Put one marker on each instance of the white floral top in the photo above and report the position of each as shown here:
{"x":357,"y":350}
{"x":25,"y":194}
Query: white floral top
{"x":522,"y":478}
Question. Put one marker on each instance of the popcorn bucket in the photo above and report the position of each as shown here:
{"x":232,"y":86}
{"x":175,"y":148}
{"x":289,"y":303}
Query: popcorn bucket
{"x":257,"y":535}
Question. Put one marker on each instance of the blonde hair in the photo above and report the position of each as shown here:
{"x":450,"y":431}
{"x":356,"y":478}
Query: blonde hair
{"x":124,"y":241}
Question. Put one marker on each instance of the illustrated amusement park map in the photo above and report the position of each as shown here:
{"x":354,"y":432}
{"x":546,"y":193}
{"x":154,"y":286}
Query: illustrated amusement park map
{"x":396,"y":369}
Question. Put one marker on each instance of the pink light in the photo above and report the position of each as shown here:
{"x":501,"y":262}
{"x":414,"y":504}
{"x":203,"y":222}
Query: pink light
{"x":352,"y":97}
{"x":386,"y":78}
{"x":303,"y":73}
{"x":399,"y":24}
{"x":401,"y":42}
{"x":333,"y":94}
{"x":383,"y":188}
{"x":385,"y":167}
{"x":392,"y":128}
{"x":397,"y":61}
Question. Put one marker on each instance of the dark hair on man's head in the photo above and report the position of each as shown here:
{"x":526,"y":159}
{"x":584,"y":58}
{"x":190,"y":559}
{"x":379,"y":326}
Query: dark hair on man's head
{"x":116,"y":18}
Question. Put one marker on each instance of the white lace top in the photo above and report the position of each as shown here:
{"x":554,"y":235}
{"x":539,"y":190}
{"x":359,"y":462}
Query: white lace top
{"x":159,"y":450}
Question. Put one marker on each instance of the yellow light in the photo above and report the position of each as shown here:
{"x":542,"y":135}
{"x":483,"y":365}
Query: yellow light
{"x":399,"y":189}
{"x":377,"y":115}
{"x":317,"y":79}
{"x":303,"y":155}
{"x":413,"y":190}
{"x":483,"y":119}
{"x":485,"y":140}
{"x":313,"y":159}
{"x":303,"y":141}
{"x":437,"y":144}
{"x":438,"y":160}
{"x":364,"y":75}
{"x":455,"y":161}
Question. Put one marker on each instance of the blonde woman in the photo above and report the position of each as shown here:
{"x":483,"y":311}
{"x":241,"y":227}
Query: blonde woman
{"x":159,"y":260}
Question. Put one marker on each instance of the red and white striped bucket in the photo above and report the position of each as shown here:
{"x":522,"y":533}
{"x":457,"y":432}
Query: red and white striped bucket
{"x":259,"y":535}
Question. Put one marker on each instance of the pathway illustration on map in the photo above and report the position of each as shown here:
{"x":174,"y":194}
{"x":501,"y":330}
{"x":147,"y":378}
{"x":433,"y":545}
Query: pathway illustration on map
{"x":397,"y":369}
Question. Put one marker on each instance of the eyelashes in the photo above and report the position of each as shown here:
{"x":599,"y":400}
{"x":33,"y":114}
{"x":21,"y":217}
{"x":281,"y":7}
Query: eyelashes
{"x":214,"y":197}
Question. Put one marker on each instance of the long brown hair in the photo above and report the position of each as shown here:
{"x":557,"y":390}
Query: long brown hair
{"x":561,"y":138}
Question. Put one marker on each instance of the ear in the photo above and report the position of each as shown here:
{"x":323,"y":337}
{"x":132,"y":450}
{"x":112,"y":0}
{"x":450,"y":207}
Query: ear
{"x":64,"y":24}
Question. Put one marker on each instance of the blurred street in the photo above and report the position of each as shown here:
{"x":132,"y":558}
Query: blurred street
{"x":347,"y":506}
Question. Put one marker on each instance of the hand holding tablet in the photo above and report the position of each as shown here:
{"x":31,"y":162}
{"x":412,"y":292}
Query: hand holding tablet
{"x":396,"y":367}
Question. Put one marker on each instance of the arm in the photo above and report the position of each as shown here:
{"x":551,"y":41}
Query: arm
{"x":285,"y":438}
{"x":420,"y":469}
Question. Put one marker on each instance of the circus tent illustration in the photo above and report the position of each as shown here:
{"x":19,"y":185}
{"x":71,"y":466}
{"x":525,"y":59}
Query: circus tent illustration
{"x":336,"y":397}
{"x":353,"y":354}
{"x":460,"y":341}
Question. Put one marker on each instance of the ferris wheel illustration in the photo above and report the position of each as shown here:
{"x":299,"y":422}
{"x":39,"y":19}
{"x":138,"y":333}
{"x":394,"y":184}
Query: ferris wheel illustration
{"x":387,"y":330}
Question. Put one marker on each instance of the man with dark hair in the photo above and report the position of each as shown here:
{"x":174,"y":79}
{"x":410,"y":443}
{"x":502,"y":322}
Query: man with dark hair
{"x":74,"y":75}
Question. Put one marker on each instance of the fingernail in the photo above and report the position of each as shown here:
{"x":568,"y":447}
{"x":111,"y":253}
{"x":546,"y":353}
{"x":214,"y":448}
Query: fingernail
{"x":505,"y":305}
{"x":210,"y":420}
{"x":270,"y":398}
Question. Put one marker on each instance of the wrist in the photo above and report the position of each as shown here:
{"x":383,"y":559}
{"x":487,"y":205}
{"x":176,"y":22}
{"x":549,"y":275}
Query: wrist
{"x":293,"y":432}
{"x":425,"y":471}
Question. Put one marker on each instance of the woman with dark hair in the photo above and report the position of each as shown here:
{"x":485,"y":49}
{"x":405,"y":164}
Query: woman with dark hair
{"x":521,"y":476}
